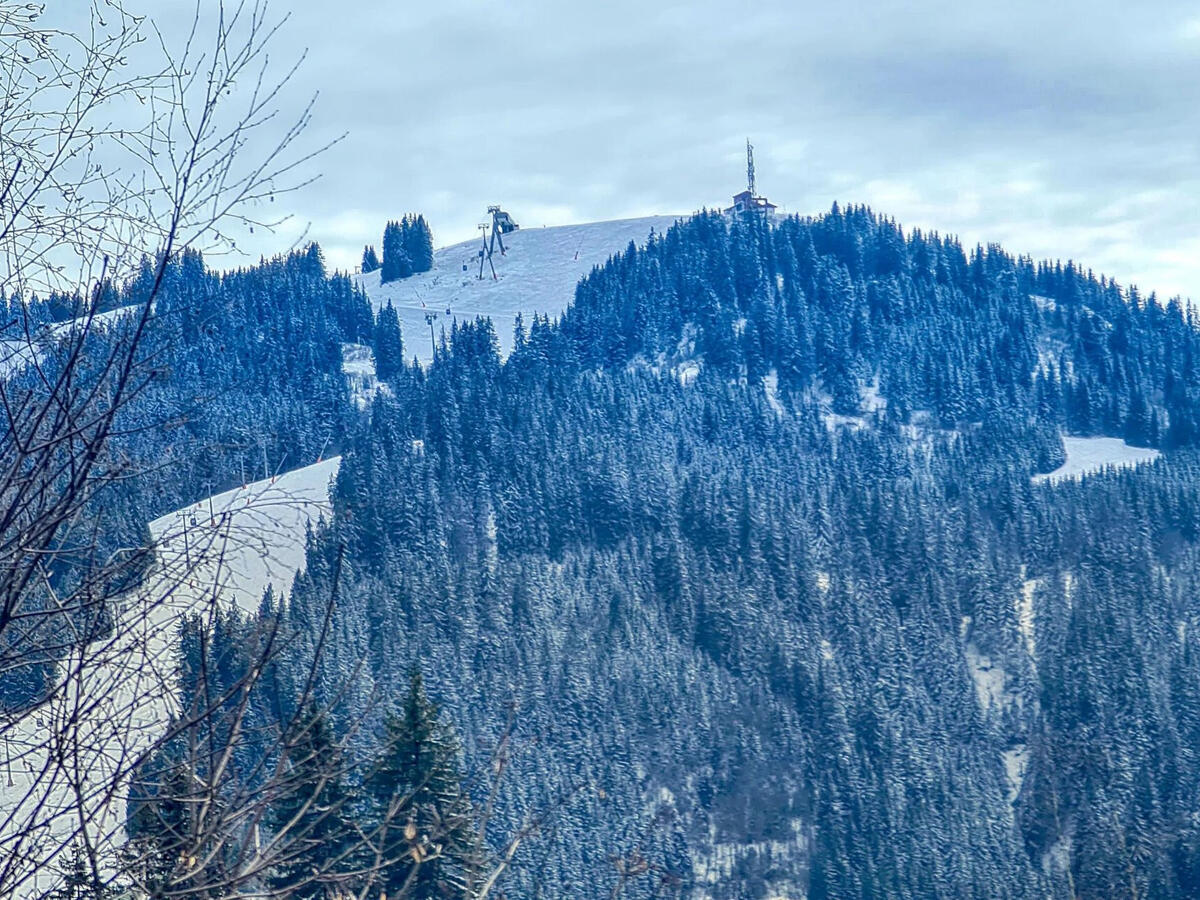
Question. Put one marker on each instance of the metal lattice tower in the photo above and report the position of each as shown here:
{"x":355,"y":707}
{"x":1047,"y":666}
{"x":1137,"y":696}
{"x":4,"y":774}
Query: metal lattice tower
{"x":485,"y":253}
{"x":750,"y":167}
{"x":497,"y":231}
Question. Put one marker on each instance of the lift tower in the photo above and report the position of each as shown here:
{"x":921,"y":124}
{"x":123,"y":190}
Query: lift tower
{"x":485,"y":252}
{"x":500,"y":223}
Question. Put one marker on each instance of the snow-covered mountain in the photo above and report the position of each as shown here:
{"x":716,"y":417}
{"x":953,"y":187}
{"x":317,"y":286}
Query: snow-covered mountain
{"x":537,"y":274}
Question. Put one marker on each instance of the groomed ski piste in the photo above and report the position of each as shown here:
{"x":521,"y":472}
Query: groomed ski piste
{"x":537,"y":274}
{"x":1089,"y":455}
{"x":225,"y":549}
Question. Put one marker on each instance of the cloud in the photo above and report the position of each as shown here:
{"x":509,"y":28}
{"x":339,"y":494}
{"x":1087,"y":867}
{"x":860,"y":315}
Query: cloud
{"x":1063,"y":130}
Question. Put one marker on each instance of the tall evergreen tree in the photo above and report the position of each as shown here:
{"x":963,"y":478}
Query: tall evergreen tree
{"x":318,"y":839}
{"x":428,"y":820}
{"x":396,"y":263}
{"x":79,"y":882}
{"x":418,"y":242}
{"x":389,"y":344}
{"x":161,"y":824}
{"x":370,"y":261}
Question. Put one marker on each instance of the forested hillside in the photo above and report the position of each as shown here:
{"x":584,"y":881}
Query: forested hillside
{"x":236,"y":373}
{"x":749,"y":542}
{"x":739,"y":571}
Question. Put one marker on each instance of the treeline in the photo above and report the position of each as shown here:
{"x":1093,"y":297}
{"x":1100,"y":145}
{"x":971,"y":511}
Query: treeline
{"x":848,"y":300}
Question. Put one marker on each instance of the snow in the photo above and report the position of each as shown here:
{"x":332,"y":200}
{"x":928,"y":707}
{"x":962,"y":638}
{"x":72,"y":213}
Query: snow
{"x":358,"y":365}
{"x":1025,"y":614}
{"x":688,"y":372}
{"x":15,"y":356}
{"x":989,"y":679}
{"x":537,"y":274}
{"x":19,"y":351}
{"x":1016,"y":764}
{"x":833,"y":421}
{"x":994,"y":694}
{"x":723,"y":860}
{"x":225,"y":549}
{"x":1058,"y":857}
{"x":1088,"y":455}
{"x":870,"y":403}
{"x":872,"y":400}
{"x":100,"y":321}
{"x":771,"y":389}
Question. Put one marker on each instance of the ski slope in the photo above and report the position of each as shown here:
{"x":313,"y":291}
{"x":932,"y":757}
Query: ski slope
{"x":537,"y":274}
{"x":1088,"y":455}
{"x":18,"y":351}
{"x":225,"y":549}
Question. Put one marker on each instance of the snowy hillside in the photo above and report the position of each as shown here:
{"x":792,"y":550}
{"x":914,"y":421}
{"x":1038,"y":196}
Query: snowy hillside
{"x":538,"y":274}
{"x":17,"y":350}
{"x":228,"y":548}
{"x":1088,"y":455}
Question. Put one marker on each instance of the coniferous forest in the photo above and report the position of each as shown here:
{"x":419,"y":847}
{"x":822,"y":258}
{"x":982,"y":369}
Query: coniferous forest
{"x":745,"y":558}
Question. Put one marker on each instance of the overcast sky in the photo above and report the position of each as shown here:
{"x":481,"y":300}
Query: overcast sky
{"x":1066,"y":130}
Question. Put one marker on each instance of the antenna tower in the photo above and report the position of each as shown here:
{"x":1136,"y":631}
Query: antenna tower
{"x":750,"y":168}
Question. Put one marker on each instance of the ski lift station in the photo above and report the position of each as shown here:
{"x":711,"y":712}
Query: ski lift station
{"x":502,"y":221}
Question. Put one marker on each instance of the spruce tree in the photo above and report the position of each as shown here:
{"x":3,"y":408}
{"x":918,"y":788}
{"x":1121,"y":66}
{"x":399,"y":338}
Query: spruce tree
{"x":426,"y":818}
{"x":396,"y":263}
{"x":160,"y":825}
{"x":389,"y":344}
{"x":418,"y":242}
{"x":78,"y":880}
{"x":316,"y":835}
{"x":370,"y":261}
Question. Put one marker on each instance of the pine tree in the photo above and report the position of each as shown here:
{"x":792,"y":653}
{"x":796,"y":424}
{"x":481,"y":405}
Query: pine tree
{"x":426,"y":818}
{"x":389,"y":344}
{"x":370,"y":261}
{"x":160,"y":825}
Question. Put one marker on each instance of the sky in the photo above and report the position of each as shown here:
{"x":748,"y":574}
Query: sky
{"x":1065,"y":130}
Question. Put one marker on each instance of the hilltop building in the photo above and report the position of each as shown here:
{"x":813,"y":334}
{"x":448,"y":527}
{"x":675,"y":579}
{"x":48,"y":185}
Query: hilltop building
{"x":748,"y":202}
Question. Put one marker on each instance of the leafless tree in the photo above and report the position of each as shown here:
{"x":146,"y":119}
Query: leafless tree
{"x":114,"y":143}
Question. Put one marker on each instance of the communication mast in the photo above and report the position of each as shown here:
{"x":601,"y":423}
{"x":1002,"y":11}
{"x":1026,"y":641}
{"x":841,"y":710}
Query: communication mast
{"x":750,"y":168}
